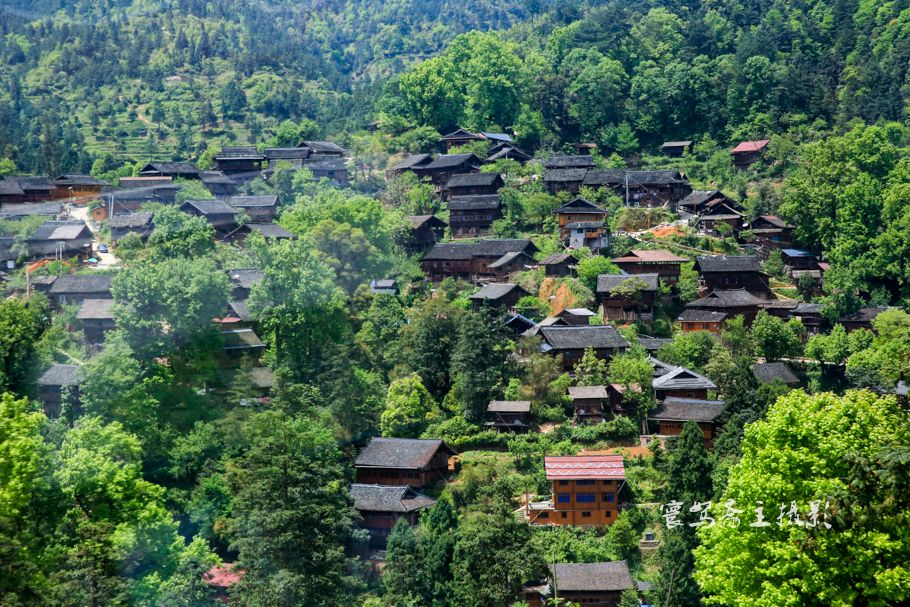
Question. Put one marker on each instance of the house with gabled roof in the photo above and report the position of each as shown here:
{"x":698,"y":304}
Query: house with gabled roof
{"x":472,"y":216}
{"x":27,"y":189}
{"x":588,"y":403}
{"x":444,"y":166}
{"x":276,"y":157}
{"x":646,"y":261}
{"x":11,"y":193}
{"x":174,"y":170}
{"x":559,"y":265}
{"x":132,"y":199}
{"x":748,"y":152}
{"x":141,"y":224}
{"x":242,"y":281}
{"x":513,"y":416}
{"x":217,"y":212}
{"x":381,"y":506}
{"x":675,"y":149}
{"x":581,"y":223}
{"x":97,"y":319}
{"x":500,"y":295}
{"x":16,"y":211}
{"x":217,"y":183}
{"x":699,"y":200}
{"x":768,"y":372}
{"x":618,"y":302}
{"x":682,"y":383}
{"x":564,"y":180}
{"x":510,"y":263}
{"x":260,"y":209}
{"x":411,"y":162}
{"x":323,"y":148}
{"x":240,"y":163}
{"x":333,"y":169}
{"x":427,"y":230}
{"x":268,"y":230}
{"x":582,"y":584}
{"x":70,"y":186}
{"x":471,"y":184}
{"x":69,"y":237}
{"x":403,"y":461}
{"x":771,"y":231}
{"x":76,"y":288}
{"x":58,"y":384}
{"x":862,"y":318}
{"x":584,"y":161}
{"x":462,"y":137}
{"x":672,"y":414}
{"x":732,"y":303}
{"x":692,"y":320}
{"x":506,"y":151}
{"x":568,"y":344}
{"x":471,"y":261}
{"x":585,"y":491}
{"x":732,"y":272}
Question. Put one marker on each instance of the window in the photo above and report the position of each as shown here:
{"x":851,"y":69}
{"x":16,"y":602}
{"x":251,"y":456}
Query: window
{"x":584,"y":497}
{"x":62,"y":298}
{"x":587,"y":481}
{"x":608,"y":497}
{"x":609,"y":513}
{"x":565,"y":515}
{"x":563,"y":482}
{"x":563,"y":498}
{"x":608,"y":482}
{"x":543,"y":515}
{"x":691,"y":325}
{"x":691,"y":394}
{"x":585,"y":515}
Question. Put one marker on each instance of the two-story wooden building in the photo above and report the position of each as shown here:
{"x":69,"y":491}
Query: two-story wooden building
{"x":473,"y":184}
{"x":661,"y":262}
{"x":268,"y":230}
{"x":506,"y":151}
{"x":581,"y":223}
{"x":240,"y":163}
{"x":499,"y":295}
{"x":242,"y":282}
{"x":141,"y":224}
{"x":627,"y":298}
{"x":174,"y":170}
{"x":79,"y":188}
{"x":582,"y":584}
{"x":76,"y":288}
{"x":582,"y":161}
{"x":439,"y":170}
{"x":671,"y":414}
{"x":588,"y":403}
{"x":69,"y":238}
{"x":97,"y":319}
{"x":675,"y":149}
{"x":731,"y":303}
{"x":568,"y":344}
{"x":732,"y":272}
{"x":585,"y":491}
{"x":559,"y":265}
{"x":700,"y":200}
{"x":324,"y":149}
{"x":564,"y":180}
{"x":403,"y":461}
{"x":427,"y":231}
{"x":59,"y":385}
{"x":471,"y":261}
{"x":748,"y":153}
{"x":512,"y":416}
{"x":28,"y":189}
{"x":217,"y":212}
{"x":333,"y":169}
{"x":218,"y":184}
{"x":771,"y":231}
{"x":680,"y":382}
{"x":473,"y":216}
{"x":260,"y":209}
{"x":380,"y":507}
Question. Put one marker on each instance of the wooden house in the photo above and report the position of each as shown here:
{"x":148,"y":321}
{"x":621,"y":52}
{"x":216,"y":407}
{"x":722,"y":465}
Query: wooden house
{"x":518,"y":324}
{"x":57,"y":385}
{"x":699,"y":200}
{"x":16,"y":211}
{"x":581,"y":222}
{"x":692,"y":320}
{"x":862,"y":318}
{"x":70,"y":187}
{"x":748,"y":153}
{"x":810,"y":314}
{"x":141,"y":224}
{"x":663,"y":263}
{"x":503,"y":268}
{"x":71,"y":238}
{"x":28,"y":189}
{"x":240,"y":163}
{"x":682,"y":383}
{"x":131,"y":200}
{"x":549,"y":321}
{"x":459,"y":138}
{"x":97,"y":319}
{"x":513,"y":416}
{"x":559,"y":265}
{"x":218,"y":184}
{"x":242,"y":281}
{"x":732,"y":272}
{"x":768,"y":372}
{"x":260,"y":209}
{"x":563,"y":180}
{"x":472,"y":216}
{"x":261,"y":381}
{"x":328,"y":149}
{"x":282,"y":157}
{"x":627,"y":307}
{"x":174,"y":170}
{"x":675,"y":149}
{"x":411,"y":163}
{"x":237,"y":344}
{"x":504,"y":151}
{"x":443,"y":167}
{"x":664,"y":188}
{"x":335,"y":170}
{"x":471,"y":261}
{"x":268,"y":230}
{"x":384,"y":285}
{"x":716,"y":213}
{"x":474,"y":184}
{"x":671,"y":415}
{"x":798,"y":259}
{"x":217,"y":212}
{"x":401,"y":461}
{"x":427,"y":231}
{"x":576,"y":317}
{"x":568,"y":344}
{"x":381,"y":506}
{"x":771,"y":231}
{"x":498,"y":295}
{"x":584,"y":161}
{"x":589,"y":403}
{"x":731,"y":303}
{"x":585,"y":491}
{"x":582,"y":584}
{"x":11,"y":193}
{"x":132,"y":183}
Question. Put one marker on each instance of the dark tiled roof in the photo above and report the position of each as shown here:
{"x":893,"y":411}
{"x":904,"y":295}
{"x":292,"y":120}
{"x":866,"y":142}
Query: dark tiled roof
{"x":701,"y":316}
{"x":215,"y":206}
{"x":326,"y":147}
{"x":867,"y":314}
{"x":444,"y":161}
{"x":607,"y":282}
{"x":556,"y":162}
{"x":131,"y":220}
{"x":584,"y":466}
{"x":466,"y":180}
{"x":683,"y":409}
{"x":10,"y":187}
{"x":586,"y":392}
{"x":245,"y":152}
{"x":579,"y":338}
{"x":269,"y":230}
{"x":656,"y":177}
{"x":643,"y":586}
{"x":775,"y":221}
{"x":286,"y":153}
{"x":35,"y":183}
{"x":60,"y":230}
{"x":388,"y":498}
{"x":413,"y":160}
{"x":38,"y":208}
{"x":576,"y":312}
{"x":68,"y":180}
{"x":326,"y":165}
{"x":506,"y":151}
{"x":592,"y":577}
{"x":509,"y":257}
{"x":213,"y":177}
{"x":675,"y":144}
{"x":96,"y":309}
{"x":697,"y":197}
{"x":485,"y":248}
{"x":496,"y":291}
{"x":768,"y":372}
{"x":167,"y":189}
{"x":728,"y":263}
{"x":61,"y":375}
{"x":132,"y":183}
{"x":82,"y":283}
{"x":610,"y":177}
{"x":564,"y":175}
{"x":467,"y":203}
{"x":262,"y":377}
{"x":652,"y":344}
{"x":509,"y":406}
{"x":419,"y":220}
{"x":580,"y":205}
{"x":239,"y":309}
{"x":807,"y":308}
{"x":254,"y":202}
{"x":556,"y":259}
{"x":240,"y":339}
{"x":180,"y":168}
{"x":400,"y":453}
{"x":245,"y":278}
{"x":681,"y":378}
{"x":460,"y":134}
{"x":726,"y":299}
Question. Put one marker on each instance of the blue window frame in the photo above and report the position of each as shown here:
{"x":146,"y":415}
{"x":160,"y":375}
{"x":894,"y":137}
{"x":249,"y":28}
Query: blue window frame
{"x":563,"y":498}
{"x":608,"y":497}
{"x":584,"y":497}
{"x":585,"y":481}
{"x":563,"y":482}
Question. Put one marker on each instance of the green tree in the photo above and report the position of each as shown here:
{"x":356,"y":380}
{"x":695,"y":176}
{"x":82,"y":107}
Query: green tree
{"x":349,"y":253}
{"x":291,"y":514}
{"x":438,"y":536}
{"x":781,"y":468}
{"x":589,"y":268}
{"x":481,"y":362}
{"x":590,"y":370}
{"x":403,"y":570}
{"x":634,"y":373}
{"x":22,"y":324}
{"x":690,"y":350}
{"x":408,"y":408}
{"x":773,"y":338}
{"x":428,"y":342}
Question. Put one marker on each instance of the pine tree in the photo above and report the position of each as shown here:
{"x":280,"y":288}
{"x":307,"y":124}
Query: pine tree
{"x":481,"y":362}
{"x":438,"y":535}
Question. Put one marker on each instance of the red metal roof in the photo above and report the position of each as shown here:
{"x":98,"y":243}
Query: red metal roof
{"x":585,"y":467}
{"x":750,"y":146}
